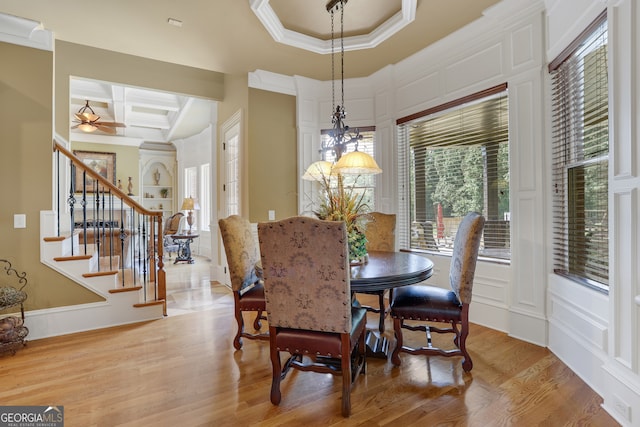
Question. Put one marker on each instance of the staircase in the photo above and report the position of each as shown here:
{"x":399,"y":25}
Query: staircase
{"x":111,"y":245}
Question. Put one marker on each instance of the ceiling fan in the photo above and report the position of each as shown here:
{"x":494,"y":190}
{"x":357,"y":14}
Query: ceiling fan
{"x":90,"y":122}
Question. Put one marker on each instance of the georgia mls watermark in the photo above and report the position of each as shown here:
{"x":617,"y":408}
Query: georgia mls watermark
{"x":31,"y":416}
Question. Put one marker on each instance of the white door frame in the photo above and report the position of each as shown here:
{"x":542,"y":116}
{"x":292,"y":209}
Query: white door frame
{"x":231,"y":128}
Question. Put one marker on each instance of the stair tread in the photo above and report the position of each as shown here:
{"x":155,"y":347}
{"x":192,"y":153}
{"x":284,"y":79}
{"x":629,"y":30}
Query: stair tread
{"x":101,"y":273}
{"x":72,"y":258}
{"x":149,"y":303}
{"x":125,"y":289}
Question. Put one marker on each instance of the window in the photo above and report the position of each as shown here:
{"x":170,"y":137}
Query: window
{"x":580,"y":118}
{"x":191,"y":182}
{"x":205,"y":196}
{"x":360,"y":183}
{"x":191,"y":189}
{"x":454,"y":159}
{"x":231,"y":185}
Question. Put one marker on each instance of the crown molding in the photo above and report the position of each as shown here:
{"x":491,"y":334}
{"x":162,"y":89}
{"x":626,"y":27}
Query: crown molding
{"x":391,"y":26}
{"x":25,"y":32}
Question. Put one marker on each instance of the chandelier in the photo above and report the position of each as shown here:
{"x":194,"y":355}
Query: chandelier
{"x":341,"y":136}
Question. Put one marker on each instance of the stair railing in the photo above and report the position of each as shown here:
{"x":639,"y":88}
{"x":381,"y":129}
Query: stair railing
{"x":127,"y":237}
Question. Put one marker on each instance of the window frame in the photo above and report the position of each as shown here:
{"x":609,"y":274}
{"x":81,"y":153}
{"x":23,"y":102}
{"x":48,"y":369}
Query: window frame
{"x":574,"y":150}
{"x":405,"y":180}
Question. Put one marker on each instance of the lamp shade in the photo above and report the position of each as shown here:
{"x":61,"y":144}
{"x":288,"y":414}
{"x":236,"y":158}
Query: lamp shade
{"x":188,"y":204}
{"x":318,"y":171}
{"x":357,"y":163}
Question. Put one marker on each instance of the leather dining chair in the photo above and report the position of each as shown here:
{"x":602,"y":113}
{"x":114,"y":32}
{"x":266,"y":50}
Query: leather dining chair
{"x":242,"y":254}
{"x":381,"y":236}
{"x":306,"y":271}
{"x":434,"y":304}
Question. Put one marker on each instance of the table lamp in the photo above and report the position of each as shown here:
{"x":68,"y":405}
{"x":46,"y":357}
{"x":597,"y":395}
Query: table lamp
{"x":190,"y":204}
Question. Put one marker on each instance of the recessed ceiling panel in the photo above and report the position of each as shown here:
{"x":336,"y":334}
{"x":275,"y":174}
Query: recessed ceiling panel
{"x":310,"y":17}
{"x":367,"y":23}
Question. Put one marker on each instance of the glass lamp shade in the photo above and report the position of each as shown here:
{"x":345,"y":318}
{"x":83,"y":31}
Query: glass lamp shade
{"x":86,"y":127}
{"x":318,"y":171}
{"x":357,"y":163}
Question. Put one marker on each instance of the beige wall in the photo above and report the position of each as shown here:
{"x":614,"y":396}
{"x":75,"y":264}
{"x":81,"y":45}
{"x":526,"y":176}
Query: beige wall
{"x":272,"y":155}
{"x":26,"y":87}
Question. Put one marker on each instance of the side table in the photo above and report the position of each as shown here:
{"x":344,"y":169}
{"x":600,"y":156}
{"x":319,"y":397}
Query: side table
{"x":184,"y":247}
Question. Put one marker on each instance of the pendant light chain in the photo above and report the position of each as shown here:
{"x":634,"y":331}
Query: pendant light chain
{"x":333,"y":68}
{"x":341,"y":135}
{"x":342,"y":2}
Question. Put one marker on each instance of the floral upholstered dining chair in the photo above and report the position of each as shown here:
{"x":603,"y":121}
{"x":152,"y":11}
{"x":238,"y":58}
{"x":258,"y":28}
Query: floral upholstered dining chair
{"x":242,"y":254}
{"x":424,"y":304}
{"x":306,"y":272}
{"x":381,"y":236}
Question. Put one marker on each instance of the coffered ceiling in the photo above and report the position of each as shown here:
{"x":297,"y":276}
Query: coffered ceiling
{"x":235,"y":37}
{"x":149,"y":115}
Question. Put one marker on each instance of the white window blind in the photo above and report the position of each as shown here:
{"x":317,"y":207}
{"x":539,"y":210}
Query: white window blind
{"x":205,"y":196}
{"x":454,"y":159}
{"x":580,"y":129}
{"x":191,"y":182}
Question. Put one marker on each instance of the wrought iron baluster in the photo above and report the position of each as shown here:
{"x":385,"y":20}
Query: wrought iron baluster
{"x":71,"y":201}
{"x":83,"y":203}
{"x":110,"y":227}
{"x":97,"y":238}
{"x":122,"y":237}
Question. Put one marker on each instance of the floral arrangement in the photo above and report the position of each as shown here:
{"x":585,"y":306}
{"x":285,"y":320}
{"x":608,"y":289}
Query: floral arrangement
{"x":342,"y":203}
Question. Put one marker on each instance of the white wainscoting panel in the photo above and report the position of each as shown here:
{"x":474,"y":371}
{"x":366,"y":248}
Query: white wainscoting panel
{"x":487,"y":65}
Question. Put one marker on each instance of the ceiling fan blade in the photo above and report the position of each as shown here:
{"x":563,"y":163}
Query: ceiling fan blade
{"x":106,"y":129}
{"x":75,"y":126}
{"x":112,"y":124}
{"x":87,"y":117}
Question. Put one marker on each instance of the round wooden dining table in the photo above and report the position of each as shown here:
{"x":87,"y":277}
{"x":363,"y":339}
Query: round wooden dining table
{"x":384,"y":270}
{"x":387,"y":270}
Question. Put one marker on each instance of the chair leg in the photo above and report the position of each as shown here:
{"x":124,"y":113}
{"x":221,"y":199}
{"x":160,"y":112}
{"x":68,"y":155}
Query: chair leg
{"x":257,"y":324}
{"x":397,"y":329}
{"x":276,"y":368}
{"x":237,"y":341}
{"x":362,"y":352}
{"x":467,"y":363}
{"x":383,"y":312}
{"x":346,"y":376}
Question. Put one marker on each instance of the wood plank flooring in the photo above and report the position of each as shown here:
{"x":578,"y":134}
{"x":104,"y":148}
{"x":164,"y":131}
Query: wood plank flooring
{"x":183,"y":371}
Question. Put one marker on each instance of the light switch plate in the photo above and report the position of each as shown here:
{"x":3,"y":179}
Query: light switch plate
{"x":20,"y":221}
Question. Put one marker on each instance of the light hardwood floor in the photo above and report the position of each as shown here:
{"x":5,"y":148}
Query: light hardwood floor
{"x":183,"y":371}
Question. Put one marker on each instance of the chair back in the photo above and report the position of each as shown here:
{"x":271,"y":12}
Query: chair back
{"x":381,"y":232}
{"x":306,"y":272}
{"x":465,"y":255}
{"x":241,"y":250}
{"x":172,"y":225}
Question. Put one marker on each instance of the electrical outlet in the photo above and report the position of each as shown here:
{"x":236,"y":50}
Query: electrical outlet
{"x":621,"y":407}
{"x":272,"y":215}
